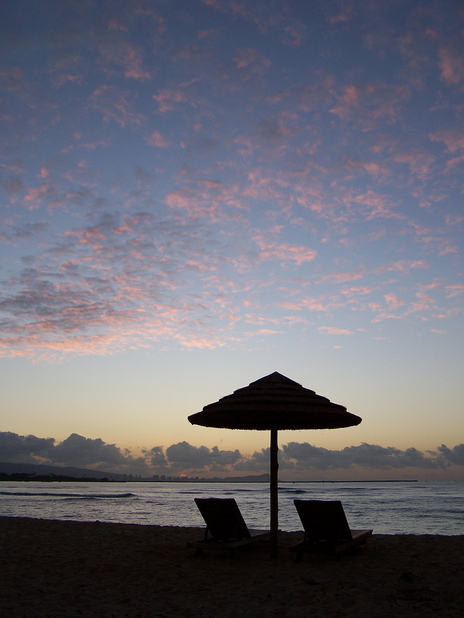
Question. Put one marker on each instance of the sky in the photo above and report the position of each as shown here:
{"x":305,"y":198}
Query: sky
{"x":197,"y":193}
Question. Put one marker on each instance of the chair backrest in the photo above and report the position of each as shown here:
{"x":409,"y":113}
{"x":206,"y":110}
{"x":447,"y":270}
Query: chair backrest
{"x":223,"y":518}
{"x":323,"y":520}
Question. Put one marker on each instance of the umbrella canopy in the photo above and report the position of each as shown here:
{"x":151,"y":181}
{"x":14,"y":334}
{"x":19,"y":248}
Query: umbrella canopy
{"x":272,"y":403}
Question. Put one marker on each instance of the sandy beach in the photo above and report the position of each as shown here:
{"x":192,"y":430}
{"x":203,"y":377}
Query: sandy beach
{"x":66,"y":569}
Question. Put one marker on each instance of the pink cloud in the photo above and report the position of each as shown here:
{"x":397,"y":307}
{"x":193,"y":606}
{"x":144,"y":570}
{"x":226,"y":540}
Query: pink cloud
{"x":290,"y":306}
{"x":377,"y":206}
{"x":393,"y":301}
{"x":115,"y":105}
{"x":44,"y":172}
{"x":246,"y":146}
{"x":250,"y":59}
{"x":423,"y":303}
{"x":344,"y":13}
{"x":371,"y":103}
{"x":453,"y":140}
{"x":402,"y":266}
{"x":340,"y":277}
{"x":60,"y":79}
{"x":447,"y":247}
{"x":265,"y":331}
{"x":454,"y":290}
{"x":133,"y":66}
{"x":447,"y":313}
{"x":292,"y":36}
{"x":194,"y":341}
{"x":358,"y":290}
{"x":454,"y":162}
{"x":12,"y":78}
{"x":35,"y":197}
{"x":451,"y":66}
{"x":332,"y":330}
{"x":14,"y":168}
{"x":261,"y":187}
{"x":157,"y":140}
{"x":307,"y":98}
{"x":114,"y":24}
{"x":207,"y":198}
{"x":347,"y":102}
{"x":420,"y":163}
{"x":192,"y":202}
{"x":284,"y":252}
{"x":266,"y":17}
{"x":314,"y":304}
{"x":443,"y":246}
{"x":382,"y":315}
{"x":123,"y":54}
{"x":168,"y":99}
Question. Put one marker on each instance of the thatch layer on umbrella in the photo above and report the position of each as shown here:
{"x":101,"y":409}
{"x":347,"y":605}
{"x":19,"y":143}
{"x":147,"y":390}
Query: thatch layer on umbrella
{"x":274,"y":402}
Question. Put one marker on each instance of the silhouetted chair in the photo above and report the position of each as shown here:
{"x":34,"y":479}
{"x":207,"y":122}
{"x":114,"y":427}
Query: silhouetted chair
{"x":325,"y":527}
{"x":225,"y":526}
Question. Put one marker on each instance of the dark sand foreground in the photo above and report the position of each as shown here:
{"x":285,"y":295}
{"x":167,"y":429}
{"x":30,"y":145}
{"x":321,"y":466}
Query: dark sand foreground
{"x":67,"y":569}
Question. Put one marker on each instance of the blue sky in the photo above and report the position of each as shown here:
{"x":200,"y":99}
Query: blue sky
{"x":197,"y":193}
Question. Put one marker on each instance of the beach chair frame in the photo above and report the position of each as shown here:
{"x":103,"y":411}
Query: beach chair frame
{"x":225,"y":527}
{"x":326,"y":528}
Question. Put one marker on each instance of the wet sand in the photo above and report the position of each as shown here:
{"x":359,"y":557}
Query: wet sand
{"x":67,"y":569}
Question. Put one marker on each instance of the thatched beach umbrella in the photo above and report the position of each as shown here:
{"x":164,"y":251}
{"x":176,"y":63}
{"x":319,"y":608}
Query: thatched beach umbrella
{"x":272,"y":403}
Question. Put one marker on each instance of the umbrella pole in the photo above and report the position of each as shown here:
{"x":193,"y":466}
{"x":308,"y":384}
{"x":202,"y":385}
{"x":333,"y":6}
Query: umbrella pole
{"x":274,"y":493}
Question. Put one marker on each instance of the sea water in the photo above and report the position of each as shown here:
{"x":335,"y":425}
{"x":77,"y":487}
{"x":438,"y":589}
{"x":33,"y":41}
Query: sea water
{"x":386,"y":507}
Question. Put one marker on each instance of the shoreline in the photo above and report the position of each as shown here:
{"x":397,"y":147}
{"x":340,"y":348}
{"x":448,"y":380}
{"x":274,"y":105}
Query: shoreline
{"x":58,"y":568}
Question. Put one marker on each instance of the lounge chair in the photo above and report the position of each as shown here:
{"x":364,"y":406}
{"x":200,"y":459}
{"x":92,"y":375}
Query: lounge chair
{"x":325,"y":527}
{"x":225,"y":526}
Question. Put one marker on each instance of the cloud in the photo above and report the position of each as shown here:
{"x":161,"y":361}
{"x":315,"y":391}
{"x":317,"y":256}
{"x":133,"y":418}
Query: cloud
{"x":341,"y":277}
{"x":374,"y":206}
{"x":12,"y":78}
{"x":453,"y":140}
{"x":122,"y":54}
{"x":393,"y":301}
{"x":267,"y":17}
{"x":156,"y":139}
{"x":283,"y":252}
{"x":333,"y":330}
{"x":452,"y":456}
{"x":372,"y":103}
{"x":451,"y":63}
{"x":115,"y":105}
{"x":272,"y":130}
{"x":184,"y":458}
{"x":85,"y":452}
{"x":251,"y":60}
{"x":169,"y":99}
{"x":156,"y":457}
{"x":402,"y":266}
{"x":23,"y":449}
{"x":145,"y":152}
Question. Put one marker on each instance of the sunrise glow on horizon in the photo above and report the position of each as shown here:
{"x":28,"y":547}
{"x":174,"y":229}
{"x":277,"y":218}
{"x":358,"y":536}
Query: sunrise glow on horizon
{"x":195,"y":194}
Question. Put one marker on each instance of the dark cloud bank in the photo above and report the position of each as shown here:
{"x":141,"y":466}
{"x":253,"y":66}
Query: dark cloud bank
{"x":296,"y":458}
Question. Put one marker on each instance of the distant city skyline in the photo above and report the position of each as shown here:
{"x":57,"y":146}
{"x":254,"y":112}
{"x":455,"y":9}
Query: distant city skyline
{"x":195,"y":194}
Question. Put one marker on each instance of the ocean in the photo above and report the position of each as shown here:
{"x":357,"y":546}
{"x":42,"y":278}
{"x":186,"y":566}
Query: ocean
{"x":386,"y":507}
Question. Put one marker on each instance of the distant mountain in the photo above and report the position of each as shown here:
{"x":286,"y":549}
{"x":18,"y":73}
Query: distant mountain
{"x":252,"y":478}
{"x":43,"y":470}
